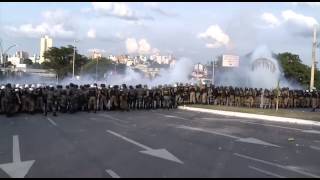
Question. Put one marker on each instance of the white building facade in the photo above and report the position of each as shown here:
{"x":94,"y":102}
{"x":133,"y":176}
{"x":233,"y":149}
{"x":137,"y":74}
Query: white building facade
{"x":45,"y":44}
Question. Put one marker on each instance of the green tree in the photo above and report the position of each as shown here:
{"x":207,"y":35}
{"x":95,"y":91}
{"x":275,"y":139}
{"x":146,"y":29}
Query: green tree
{"x":27,"y":62}
{"x":293,"y":68}
{"x":60,"y":60}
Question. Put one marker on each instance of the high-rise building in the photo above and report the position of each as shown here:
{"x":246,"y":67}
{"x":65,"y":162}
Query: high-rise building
{"x":45,"y":44}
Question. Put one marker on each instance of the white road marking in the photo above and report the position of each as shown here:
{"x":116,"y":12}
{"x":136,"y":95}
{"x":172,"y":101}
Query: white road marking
{"x":160,"y":153}
{"x":112,"y":173}
{"x":18,"y":168}
{"x":266,"y":172}
{"x":239,"y":139}
{"x":311,"y":131}
{"x":315,"y":148}
{"x":170,"y":116}
{"x":16,"y":149}
{"x":278,"y":165}
{"x":129,"y":140}
{"x":113,"y":118}
{"x":52,"y":122}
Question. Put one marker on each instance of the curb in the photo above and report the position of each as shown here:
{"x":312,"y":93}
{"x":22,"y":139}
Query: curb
{"x":253,"y":116}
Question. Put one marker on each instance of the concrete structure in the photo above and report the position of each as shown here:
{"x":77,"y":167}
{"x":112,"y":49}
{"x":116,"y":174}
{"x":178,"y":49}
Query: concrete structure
{"x":161,"y":59}
{"x":15,"y":60}
{"x":314,"y":57}
{"x":18,"y":57}
{"x":96,"y":55}
{"x":112,"y":58}
{"x":45,"y":44}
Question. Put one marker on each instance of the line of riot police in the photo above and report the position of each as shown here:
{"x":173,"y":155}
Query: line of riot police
{"x":92,"y":98}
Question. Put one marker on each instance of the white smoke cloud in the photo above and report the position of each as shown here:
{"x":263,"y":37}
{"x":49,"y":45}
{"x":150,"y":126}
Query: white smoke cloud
{"x":299,"y":19}
{"x":91,"y":33}
{"x":270,"y":19}
{"x":144,"y":46}
{"x":141,"y":47}
{"x":115,"y":9}
{"x":179,"y":73}
{"x":215,"y":34}
{"x":54,"y":24}
{"x":260,"y":76}
{"x":131,"y":45}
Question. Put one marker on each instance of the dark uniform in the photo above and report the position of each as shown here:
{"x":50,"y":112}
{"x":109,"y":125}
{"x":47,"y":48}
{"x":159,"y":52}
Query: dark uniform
{"x":92,"y":101}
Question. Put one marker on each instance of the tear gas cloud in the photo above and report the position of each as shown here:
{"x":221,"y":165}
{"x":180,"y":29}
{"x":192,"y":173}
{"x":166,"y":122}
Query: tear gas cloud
{"x":243,"y":76}
{"x":179,"y":73}
{"x":258,"y":77}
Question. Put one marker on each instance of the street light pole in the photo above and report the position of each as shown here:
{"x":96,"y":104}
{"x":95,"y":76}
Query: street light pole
{"x":97,"y":70}
{"x":314,"y":47}
{"x":74,"y":57}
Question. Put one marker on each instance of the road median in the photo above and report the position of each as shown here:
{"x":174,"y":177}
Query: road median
{"x":210,"y":110}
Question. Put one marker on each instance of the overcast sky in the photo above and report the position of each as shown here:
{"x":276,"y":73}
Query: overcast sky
{"x":199,"y":31}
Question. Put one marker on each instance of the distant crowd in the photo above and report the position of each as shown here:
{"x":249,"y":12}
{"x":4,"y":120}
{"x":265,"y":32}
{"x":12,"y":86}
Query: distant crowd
{"x":37,"y":98}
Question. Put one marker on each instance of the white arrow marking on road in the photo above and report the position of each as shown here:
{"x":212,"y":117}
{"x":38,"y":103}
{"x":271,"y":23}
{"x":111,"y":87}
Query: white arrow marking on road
{"x":176,"y":117}
{"x":113,"y":118}
{"x":160,"y":153}
{"x":266,"y":172}
{"x":315,"y":148}
{"x":245,"y":140}
{"x":52,"y":122}
{"x":112,"y":173}
{"x":17,"y":169}
{"x":294,"y":169}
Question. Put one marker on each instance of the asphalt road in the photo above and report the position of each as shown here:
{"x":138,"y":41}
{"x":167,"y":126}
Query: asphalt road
{"x":157,"y":143}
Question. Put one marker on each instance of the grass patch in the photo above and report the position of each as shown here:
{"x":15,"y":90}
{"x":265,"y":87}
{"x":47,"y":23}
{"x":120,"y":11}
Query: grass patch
{"x":271,"y":112}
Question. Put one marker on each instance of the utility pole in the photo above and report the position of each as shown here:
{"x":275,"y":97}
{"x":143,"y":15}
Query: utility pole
{"x":97,"y":69}
{"x":314,"y":58}
{"x":213,"y":64}
{"x":278,"y":94}
{"x":74,"y":57}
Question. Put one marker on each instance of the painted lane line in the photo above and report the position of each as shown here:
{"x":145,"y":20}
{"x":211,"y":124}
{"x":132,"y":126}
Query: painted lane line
{"x":293,"y":169}
{"x":311,"y":131}
{"x":160,"y":153}
{"x":170,"y":116}
{"x":266,"y":172}
{"x":113,"y":118}
{"x":52,"y":122}
{"x":18,"y":168}
{"x":315,"y":148}
{"x":112,"y":173}
{"x":239,"y":139}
